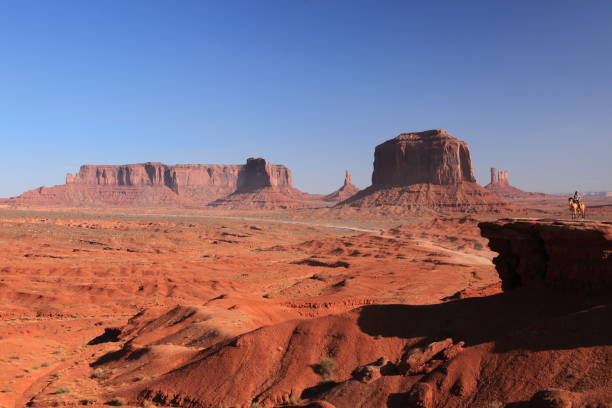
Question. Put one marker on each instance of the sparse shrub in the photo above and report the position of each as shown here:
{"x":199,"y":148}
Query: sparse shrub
{"x":62,"y":390}
{"x":45,"y":364}
{"x":100,"y":374}
{"x":139,"y":378}
{"x":117,"y":402}
{"x":496,"y":404}
{"x":326,"y":368}
{"x":88,"y":401}
{"x":15,"y":357}
{"x":293,"y":399}
{"x":6,"y":390}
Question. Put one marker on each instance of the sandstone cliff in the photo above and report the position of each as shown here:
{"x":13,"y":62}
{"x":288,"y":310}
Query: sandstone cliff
{"x":155,"y":184}
{"x":429,"y":157}
{"x":261,"y":185}
{"x":425,"y":171}
{"x":569,"y":255}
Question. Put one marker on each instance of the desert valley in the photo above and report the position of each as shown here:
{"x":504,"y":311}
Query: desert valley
{"x":209,"y":286}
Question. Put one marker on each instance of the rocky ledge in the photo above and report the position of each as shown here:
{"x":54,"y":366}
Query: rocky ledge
{"x":573,"y":255}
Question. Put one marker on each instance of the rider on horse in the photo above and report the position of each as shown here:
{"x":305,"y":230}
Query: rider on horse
{"x":577,"y":197}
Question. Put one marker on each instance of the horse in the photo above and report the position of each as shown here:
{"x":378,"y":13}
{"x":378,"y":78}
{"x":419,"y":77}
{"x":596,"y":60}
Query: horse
{"x":577,"y":208}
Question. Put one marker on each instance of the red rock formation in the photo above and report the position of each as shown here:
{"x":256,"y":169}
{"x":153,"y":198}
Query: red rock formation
{"x":257,"y":174}
{"x":347,"y":190}
{"x":501,"y":186}
{"x":569,"y":255}
{"x":429,"y":157}
{"x":264,"y":186}
{"x":429,"y":171}
{"x":157,"y":184}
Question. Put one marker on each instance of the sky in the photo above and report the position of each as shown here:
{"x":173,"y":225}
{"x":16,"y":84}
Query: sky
{"x":313,"y":85}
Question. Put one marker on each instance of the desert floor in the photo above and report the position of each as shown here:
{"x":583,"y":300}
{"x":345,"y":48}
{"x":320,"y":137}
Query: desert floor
{"x":67,"y":274}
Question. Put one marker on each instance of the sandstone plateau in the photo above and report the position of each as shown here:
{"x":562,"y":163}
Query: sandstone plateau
{"x":425,"y":171}
{"x":261,"y":184}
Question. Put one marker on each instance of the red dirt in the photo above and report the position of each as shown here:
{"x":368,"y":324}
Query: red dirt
{"x":210,"y":309}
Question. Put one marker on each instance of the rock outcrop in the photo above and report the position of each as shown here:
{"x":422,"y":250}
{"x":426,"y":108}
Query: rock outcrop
{"x":264,"y":186}
{"x":347,"y":190}
{"x":257,"y":174}
{"x":501,"y":186}
{"x":569,"y":255}
{"x":429,"y":171}
{"x":157,"y":184}
{"x":429,"y":157}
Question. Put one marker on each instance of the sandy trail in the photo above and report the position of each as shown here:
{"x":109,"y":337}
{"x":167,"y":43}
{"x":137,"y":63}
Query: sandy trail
{"x":457,"y":256}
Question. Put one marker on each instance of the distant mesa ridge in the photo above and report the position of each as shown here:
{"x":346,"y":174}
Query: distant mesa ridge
{"x":425,"y":171}
{"x":156,"y":184}
{"x":256,"y":184}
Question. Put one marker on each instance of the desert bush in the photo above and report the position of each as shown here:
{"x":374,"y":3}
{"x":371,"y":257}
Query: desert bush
{"x":100,"y":374}
{"x":6,"y":390}
{"x":293,"y":399}
{"x":62,"y":390}
{"x":326,"y":368}
{"x":117,"y":402}
{"x":45,"y":364}
{"x":87,"y":401}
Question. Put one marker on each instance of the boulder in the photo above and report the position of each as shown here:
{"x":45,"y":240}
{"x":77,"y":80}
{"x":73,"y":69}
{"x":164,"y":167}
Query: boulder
{"x":552,"y":398}
{"x":416,"y":360}
{"x":420,"y":396}
{"x":370,"y":372}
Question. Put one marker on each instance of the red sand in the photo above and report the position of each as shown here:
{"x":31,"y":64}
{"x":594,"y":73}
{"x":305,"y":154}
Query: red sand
{"x":181,"y":285}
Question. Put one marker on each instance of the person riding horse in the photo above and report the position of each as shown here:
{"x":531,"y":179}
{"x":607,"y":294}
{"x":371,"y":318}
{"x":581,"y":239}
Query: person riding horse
{"x":577,"y":207}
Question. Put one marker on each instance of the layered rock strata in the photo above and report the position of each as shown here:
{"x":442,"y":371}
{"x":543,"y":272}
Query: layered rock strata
{"x":428,"y":170}
{"x":570,"y":255}
{"x":156,"y":184}
{"x":261,"y":185}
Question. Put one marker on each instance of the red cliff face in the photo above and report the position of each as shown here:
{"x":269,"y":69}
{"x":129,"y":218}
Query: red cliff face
{"x":432,"y":157}
{"x":156,"y":184}
{"x":571,"y":255}
{"x":257,"y":173}
{"x":261,"y":185}
{"x":428,"y":171}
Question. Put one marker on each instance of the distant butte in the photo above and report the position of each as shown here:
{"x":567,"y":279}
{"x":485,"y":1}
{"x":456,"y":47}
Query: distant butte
{"x":261,"y":185}
{"x":501,"y":186}
{"x":347,"y":190}
{"x":425,"y":171}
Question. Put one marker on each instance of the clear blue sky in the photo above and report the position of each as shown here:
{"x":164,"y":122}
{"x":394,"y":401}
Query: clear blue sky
{"x":314,"y":85}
